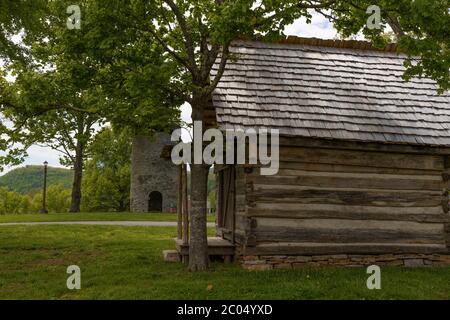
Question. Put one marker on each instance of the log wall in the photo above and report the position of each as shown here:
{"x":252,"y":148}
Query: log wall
{"x":335,"y":201}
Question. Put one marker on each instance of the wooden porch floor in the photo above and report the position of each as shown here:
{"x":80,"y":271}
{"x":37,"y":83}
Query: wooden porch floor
{"x":216,"y":247}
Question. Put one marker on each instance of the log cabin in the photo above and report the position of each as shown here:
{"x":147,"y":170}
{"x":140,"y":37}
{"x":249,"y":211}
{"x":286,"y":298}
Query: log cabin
{"x":364,"y":157}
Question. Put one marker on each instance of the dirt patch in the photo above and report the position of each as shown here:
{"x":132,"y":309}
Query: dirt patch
{"x":66,"y":258}
{"x":53,"y":262}
{"x":90,"y":255}
{"x":47,"y":262}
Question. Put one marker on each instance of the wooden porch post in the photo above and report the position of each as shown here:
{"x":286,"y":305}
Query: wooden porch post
{"x":180,"y":203}
{"x":233,"y":236}
{"x":219,"y":201}
{"x":185,"y":207}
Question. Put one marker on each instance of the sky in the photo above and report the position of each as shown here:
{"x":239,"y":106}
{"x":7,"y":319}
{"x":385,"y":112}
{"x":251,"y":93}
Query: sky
{"x":320,"y":27}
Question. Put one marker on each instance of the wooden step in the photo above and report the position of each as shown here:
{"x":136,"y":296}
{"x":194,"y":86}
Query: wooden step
{"x":216,"y":247}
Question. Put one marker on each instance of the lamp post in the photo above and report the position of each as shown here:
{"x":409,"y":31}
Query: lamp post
{"x":44,"y":192}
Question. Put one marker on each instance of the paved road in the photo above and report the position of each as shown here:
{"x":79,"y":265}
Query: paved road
{"x":102,"y":223}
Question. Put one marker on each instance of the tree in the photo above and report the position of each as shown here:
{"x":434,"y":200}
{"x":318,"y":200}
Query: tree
{"x":43,"y":111}
{"x":58,"y":199}
{"x":11,"y":202}
{"x":70,"y":134}
{"x":67,"y":128}
{"x":106,"y":183}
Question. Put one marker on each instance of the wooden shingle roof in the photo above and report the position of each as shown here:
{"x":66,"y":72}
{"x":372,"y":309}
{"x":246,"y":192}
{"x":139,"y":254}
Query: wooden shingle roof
{"x":330,"y":89}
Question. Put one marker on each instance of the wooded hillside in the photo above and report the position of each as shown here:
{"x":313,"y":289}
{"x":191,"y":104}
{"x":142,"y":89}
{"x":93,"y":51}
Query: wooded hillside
{"x":27,"y":180}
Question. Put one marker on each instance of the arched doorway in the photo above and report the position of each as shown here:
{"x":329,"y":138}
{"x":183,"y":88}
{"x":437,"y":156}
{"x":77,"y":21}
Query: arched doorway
{"x":155,"y":202}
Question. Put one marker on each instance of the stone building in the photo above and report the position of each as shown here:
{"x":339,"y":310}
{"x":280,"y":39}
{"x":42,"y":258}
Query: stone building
{"x":153,"y":179}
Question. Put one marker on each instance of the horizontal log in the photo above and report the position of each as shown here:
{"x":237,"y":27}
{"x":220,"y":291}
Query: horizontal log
{"x":351,"y":215}
{"x":323,"y":167}
{"x":277,"y":234}
{"x":367,"y":146}
{"x":344,"y":224}
{"x":361,"y":175}
{"x":437,"y":228}
{"x":260,"y":206}
{"x":342,"y":248}
{"x":251,"y":187}
{"x":370,"y":198}
{"x":350,"y":181}
{"x":362,"y":158}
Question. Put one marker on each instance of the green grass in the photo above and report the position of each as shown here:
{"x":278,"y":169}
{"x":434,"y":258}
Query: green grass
{"x":126,"y":263}
{"x":108,"y":216}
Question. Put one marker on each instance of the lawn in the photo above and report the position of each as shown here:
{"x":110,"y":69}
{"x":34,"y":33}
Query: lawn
{"x":106,"y":216}
{"x":126,"y":263}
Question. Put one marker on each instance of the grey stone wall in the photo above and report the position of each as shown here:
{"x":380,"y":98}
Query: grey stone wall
{"x":344,"y":260}
{"x":149,"y":172}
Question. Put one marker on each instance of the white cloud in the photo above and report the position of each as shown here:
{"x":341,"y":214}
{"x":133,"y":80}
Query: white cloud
{"x":186,"y":116}
{"x":37,"y":156}
{"x":320,"y":27}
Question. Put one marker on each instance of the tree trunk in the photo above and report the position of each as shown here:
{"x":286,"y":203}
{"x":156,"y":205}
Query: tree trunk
{"x":198,"y":240}
{"x":77,"y":177}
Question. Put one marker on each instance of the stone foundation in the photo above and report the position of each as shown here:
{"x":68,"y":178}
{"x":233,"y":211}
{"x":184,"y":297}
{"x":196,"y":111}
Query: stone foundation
{"x":344,"y":260}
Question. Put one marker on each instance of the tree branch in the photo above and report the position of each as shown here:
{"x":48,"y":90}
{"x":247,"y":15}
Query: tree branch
{"x":317,"y":4}
{"x":189,"y":44}
{"x":168,"y":50}
{"x":221,"y":69}
{"x":394,"y":23}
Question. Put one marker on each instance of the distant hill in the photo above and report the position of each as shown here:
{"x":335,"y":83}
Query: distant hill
{"x":29,"y":179}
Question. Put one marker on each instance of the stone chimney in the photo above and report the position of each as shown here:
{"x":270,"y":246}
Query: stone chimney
{"x":153,"y":178}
